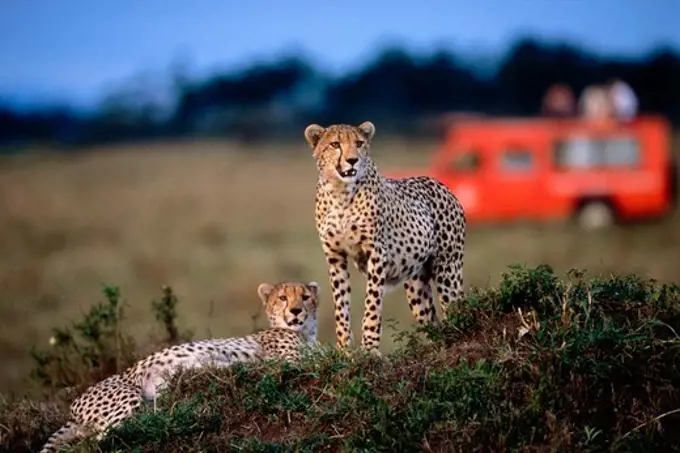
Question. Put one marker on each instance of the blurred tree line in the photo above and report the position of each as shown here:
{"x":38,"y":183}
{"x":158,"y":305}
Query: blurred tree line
{"x":404,"y":94}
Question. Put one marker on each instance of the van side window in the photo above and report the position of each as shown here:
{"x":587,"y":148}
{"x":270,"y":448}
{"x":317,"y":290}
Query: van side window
{"x":585,"y":152}
{"x":576,"y":152}
{"x":466,"y":162}
{"x":621,"y":151}
{"x":517,"y":159}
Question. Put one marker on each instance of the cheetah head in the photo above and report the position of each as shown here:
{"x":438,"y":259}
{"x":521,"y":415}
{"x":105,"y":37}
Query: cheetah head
{"x":291,"y":305}
{"x":341,"y":151}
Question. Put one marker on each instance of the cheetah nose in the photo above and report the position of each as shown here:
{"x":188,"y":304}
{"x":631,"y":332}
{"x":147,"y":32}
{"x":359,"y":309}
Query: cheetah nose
{"x":295,"y":311}
{"x":352,"y":160}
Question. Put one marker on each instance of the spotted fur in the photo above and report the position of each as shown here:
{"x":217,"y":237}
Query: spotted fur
{"x":408,"y":232}
{"x":291,"y":309}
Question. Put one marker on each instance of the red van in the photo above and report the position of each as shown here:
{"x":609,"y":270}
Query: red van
{"x":544,"y":169}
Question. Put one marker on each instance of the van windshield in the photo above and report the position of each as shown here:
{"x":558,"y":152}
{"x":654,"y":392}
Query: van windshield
{"x":466,"y":161}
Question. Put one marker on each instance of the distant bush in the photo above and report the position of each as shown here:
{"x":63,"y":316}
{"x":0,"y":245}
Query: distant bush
{"x":540,"y":363}
{"x":87,"y":350}
{"x":97,"y":346}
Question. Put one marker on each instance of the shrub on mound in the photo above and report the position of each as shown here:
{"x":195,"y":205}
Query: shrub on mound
{"x":538,"y":363}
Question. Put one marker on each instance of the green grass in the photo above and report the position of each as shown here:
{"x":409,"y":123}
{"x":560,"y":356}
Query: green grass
{"x":540,"y":362}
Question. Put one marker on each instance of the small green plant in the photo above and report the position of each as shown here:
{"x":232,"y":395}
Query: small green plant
{"x":96,"y":346}
{"x":86,"y":350}
{"x":524,"y":287}
{"x":165,"y":311}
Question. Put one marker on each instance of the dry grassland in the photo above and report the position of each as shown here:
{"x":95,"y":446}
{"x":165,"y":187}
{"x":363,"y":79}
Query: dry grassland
{"x":213,"y":220}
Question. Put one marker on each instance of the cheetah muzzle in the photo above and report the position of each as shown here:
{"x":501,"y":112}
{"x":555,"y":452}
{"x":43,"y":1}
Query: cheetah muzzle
{"x":347,"y":173}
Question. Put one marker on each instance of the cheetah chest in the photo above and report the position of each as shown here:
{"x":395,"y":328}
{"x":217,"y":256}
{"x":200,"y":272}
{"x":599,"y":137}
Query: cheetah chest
{"x":356,"y":237}
{"x":350,"y":234}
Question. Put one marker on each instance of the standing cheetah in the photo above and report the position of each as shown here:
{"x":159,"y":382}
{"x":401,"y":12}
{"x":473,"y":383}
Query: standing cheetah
{"x":396,"y":231}
{"x":292,"y":312}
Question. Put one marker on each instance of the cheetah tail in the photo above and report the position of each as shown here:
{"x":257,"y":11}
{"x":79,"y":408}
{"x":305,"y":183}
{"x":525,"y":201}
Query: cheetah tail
{"x":68,"y":433}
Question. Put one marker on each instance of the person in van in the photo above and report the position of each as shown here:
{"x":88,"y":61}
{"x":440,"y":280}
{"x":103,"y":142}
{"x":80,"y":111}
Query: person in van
{"x":623,"y":100}
{"x":595,"y":103}
{"x":559,"y":102}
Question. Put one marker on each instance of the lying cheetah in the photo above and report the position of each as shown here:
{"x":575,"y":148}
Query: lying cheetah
{"x":291,"y":309}
{"x":396,"y":231}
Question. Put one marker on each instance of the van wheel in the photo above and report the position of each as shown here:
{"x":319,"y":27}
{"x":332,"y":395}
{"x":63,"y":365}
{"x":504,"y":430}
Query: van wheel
{"x":595,"y":215}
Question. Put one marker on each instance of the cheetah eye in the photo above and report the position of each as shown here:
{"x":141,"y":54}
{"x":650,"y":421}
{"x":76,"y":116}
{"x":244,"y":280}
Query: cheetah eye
{"x":335,"y":145}
{"x":283,"y":298}
{"x":305,"y":297}
{"x":359,"y":143}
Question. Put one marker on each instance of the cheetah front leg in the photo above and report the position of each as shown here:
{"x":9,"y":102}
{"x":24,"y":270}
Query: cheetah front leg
{"x":375,"y":289}
{"x":340,"y":285}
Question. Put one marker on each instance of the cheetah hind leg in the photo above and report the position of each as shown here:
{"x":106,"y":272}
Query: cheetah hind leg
{"x":129,"y":400}
{"x":68,"y":434}
{"x":448,"y":281}
{"x":420,"y":301}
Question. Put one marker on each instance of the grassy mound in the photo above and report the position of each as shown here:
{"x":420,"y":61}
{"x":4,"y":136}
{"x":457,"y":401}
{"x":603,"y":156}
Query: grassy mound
{"x":539,"y":363}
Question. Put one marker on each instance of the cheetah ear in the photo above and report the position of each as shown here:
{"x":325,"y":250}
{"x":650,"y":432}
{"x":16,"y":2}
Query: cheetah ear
{"x":264,"y":290}
{"x":314,"y":287}
{"x":313,"y":134}
{"x":368,"y":129}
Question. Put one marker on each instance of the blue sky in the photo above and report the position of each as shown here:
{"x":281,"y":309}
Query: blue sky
{"x":77,"y":49}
